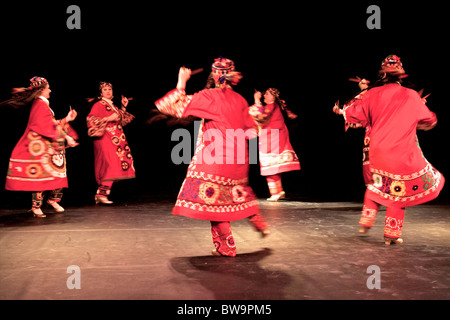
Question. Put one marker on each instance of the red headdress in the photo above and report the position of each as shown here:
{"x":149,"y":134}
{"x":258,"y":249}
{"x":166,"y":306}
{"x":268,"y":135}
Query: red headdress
{"x":223,"y":71}
{"x":392,"y":64}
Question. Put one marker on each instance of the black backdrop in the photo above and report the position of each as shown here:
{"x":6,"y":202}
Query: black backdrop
{"x":308,"y":51}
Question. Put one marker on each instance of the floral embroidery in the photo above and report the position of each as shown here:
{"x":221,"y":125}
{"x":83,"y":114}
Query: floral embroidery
{"x":377,"y":180}
{"x":398,"y":188}
{"x":386,"y":185}
{"x":125,"y":165}
{"x":189,"y":189}
{"x":393,"y":227}
{"x":429,"y":180}
{"x":287,"y":156}
{"x":209,"y":192}
{"x":405,"y":187}
{"x":206,"y":192}
{"x":36,"y":147}
{"x":33,"y":170}
{"x":115,"y":140}
{"x":368,"y":216}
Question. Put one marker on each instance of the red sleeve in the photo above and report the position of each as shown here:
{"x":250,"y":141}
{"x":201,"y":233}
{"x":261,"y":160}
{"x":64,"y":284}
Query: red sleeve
{"x":426,"y":119}
{"x":95,"y":120}
{"x":42,"y":121}
{"x":98,"y":110}
{"x":357,"y":112}
{"x":174,"y":103}
{"x":203,"y":106}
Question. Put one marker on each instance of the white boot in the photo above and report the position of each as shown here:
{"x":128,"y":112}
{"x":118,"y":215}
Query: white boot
{"x":277,"y":197}
{"x":55,"y":206}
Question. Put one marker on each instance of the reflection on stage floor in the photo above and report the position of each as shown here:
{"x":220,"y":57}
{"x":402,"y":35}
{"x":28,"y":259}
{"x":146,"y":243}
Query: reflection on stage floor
{"x":138,"y":250}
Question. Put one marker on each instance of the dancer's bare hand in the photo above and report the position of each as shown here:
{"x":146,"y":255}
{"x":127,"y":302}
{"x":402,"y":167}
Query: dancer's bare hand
{"x":71,"y":142}
{"x":71,"y":115}
{"x":363,"y":84}
{"x":124,"y":101}
{"x":337,"y":110}
{"x":183,"y":76}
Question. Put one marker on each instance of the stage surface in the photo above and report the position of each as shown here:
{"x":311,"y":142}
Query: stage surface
{"x":138,"y":250}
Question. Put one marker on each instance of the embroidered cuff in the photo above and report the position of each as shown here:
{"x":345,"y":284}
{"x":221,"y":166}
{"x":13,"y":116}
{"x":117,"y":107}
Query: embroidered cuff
{"x":174,"y":103}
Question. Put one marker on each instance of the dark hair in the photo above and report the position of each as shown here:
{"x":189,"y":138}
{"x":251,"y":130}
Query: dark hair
{"x":210,"y":83}
{"x":280,"y":103}
{"x":387,"y":78}
{"x":23,"y":96}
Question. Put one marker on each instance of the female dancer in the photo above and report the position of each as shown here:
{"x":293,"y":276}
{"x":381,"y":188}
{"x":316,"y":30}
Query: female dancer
{"x":113,"y":159}
{"x":401,"y":176}
{"x":275,"y":151}
{"x":38,"y":161}
{"x":216,"y":186}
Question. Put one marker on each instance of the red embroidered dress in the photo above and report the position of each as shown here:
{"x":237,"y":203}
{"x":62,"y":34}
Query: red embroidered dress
{"x":113,"y":159}
{"x":38,"y":160}
{"x":276,"y":154}
{"x":216,"y":185}
{"x":401,"y":176}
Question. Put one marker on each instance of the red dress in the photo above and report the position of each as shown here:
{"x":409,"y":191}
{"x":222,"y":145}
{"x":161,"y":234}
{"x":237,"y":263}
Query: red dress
{"x":112,"y":154}
{"x":38,"y":160}
{"x":276,"y":154}
{"x":216,"y":185}
{"x":401,"y":176}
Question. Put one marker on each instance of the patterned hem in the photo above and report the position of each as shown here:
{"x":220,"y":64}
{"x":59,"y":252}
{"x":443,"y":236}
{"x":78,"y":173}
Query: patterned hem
{"x":215,"y":208}
{"x":215,"y":213}
{"x":415,"y":188}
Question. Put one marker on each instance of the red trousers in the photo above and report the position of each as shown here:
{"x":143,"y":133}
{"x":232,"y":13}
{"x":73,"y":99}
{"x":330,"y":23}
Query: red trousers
{"x":393,"y":221}
{"x":223,"y":238}
{"x":274,"y":183}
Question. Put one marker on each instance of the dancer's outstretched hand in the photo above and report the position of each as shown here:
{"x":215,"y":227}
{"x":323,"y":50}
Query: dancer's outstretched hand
{"x":183,"y":76}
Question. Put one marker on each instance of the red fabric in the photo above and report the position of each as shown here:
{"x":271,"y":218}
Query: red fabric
{"x":274,"y":183}
{"x":393,"y":222}
{"x":218,"y":190}
{"x":258,"y":222}
{"x":369,"y":212}
{"x":112,"y":155}
{"x":401,"y":176}
{"x":275,"y":150}
{"x":38,"y":161}
{"x":225,"y":113}
{"x":223,"y":238}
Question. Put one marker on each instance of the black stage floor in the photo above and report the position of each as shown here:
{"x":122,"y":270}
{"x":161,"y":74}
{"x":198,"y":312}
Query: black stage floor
{"x":140,"y":251}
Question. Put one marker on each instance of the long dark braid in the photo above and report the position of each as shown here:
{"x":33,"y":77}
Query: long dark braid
{"x":22,"y":96}
{"x":287,"y":114}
